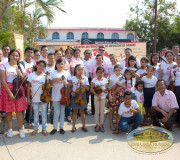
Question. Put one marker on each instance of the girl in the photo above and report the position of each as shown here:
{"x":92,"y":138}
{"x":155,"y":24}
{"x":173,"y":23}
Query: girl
{"x":68,"y":59}
{"x":51,"y":63}
{"x":154,"y":62}
{"x":115,"y":80}
{"x":8,"y":72}
{"x":140,"y":96}
{"x":149,"y":89}
{"x":162,"y":55}
{"x":144,"y":63}
{"x":58,"y":54}
{"x":78,"y":79}
{"x":100,"y":99}
{"x":44,"y":53}
{"x":176,"y":77}
{"x":36,"y":79}
{"x":76,"y":60}
{"x":166,"y":68}
{"x":57,"y":82}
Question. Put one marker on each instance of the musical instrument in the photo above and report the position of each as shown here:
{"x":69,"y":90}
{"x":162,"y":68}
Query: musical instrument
{"x":144,"y":74}
{"x":64,"y":92}
{"x":99,"y":90}
{"x":172,"y":82}
{"x":17,"y":83}
{"x":45,"y":96}
{"x":116,"y":89}
{"x":80,"y":99}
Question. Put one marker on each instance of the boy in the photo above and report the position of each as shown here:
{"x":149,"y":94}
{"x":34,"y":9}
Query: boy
{"x":128,"y":113}
{"x":36,"y":56}
{"x":44,"y":53}
{"x":51,"y":63}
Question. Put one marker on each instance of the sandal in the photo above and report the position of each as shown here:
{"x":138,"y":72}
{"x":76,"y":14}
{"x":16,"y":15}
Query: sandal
{"x":44,"y":132}
{"x":33,"y":133}
{"x":73,"y":130}
{"x":96,"y":129}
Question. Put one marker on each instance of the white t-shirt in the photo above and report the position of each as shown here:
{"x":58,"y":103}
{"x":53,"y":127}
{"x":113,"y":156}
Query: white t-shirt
{"x":167,"y":68}
{"x":4,"y":59}
{"x":11,"y":73}
{"x":139,"y":96}
{"x":115,"y":79}
{"x":129,"y":86}
{"x":42,"y":58}
{"x":102,"y":84}
{"x":87,"y":66}
{"x":76,"y":84}
{"x":140,"y":72}
{"x":28,"y":67}
{"x":123,"y":63}
{"x":48,"y":69}
{"x":36,"y":82}
{"x":106,"y":61}
{"x":156,"y":73}
{"x":149,"y":83}
{"x":125,"y":112}
{"x":133,"y":69}
{"x":177,"y":73}
{"x":56,"y":87}
{"x":111,"y":69}
{"x":67,"y":64}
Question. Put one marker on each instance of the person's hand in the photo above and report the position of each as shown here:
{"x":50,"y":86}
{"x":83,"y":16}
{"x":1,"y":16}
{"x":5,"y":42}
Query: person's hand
{"x":119,"y":83}
{"x":12,"y":96}
{"x":81,"y":82}
{"x":116,"y":131}
{"x":28,"y":101}
{"x":164,"y":113}
{"x":165,"y":119}
{"x":19,"y":73}
{"x":73,"y":94}
{"x":65,"y":82}
{"x":71,"y":62}
{"x":57,"y":80}
{"x":132,"y":110}
{"x":174,"y":66}
{"x":99,"y":98}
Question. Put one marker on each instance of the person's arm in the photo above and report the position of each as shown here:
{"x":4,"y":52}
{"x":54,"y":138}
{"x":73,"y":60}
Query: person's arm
{"x":160,"y":73}
{"x":72,"y":71}
{"x":69,"y":65}
{"x":160,"y":110}
{"x":3,"y":81}
{"x":28,"y":93}
{"x":91,"y":75}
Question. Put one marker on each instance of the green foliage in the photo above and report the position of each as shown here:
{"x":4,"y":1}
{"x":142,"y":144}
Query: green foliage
{"x":143,"y":22}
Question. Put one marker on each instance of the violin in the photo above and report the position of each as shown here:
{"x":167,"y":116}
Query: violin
{"x":172,"y":83}
{"x":99,"y":90}
{"x":80,"y":99}
{"x":64,"y":92}
{"x":144,"y":74}
{"x":17,"y":83}
{"x":45,"y":96}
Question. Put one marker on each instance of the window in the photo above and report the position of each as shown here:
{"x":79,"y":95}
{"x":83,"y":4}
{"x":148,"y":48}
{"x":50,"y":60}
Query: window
{"x":55,"y":35}
{"x":115,"y":36}
{"x":100,"y":35}
{"x":130,"y":36}
{"x":70,"y":35}
{"x":84,"y":35}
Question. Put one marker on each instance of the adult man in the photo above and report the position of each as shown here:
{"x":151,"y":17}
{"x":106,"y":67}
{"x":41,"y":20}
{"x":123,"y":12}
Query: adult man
{"x":176,"y":49}
{"x":164,"y":106}
{"x":44,"y":53}
{"x":5,"y":49}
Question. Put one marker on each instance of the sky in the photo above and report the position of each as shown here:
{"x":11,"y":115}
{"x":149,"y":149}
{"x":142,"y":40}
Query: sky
{"x":94,"y":13}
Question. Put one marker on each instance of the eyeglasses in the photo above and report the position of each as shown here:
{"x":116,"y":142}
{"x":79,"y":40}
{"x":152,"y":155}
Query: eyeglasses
{"x":101,"y":50}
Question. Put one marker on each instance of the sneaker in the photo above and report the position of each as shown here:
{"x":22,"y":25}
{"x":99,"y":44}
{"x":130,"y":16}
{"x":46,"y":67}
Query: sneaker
{"x":21,"y":133}
{"x":53,"y":131}
{"x":9,"y":134}
{"x":61,"y":131}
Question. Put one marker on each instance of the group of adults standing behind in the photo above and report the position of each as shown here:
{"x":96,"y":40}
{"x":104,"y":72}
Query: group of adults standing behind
{"x":137,"y":90}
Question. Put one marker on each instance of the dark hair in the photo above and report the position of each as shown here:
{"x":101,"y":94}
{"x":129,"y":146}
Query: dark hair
{"x":99,"y":55}
{"x":36,"y":50}
{"x":76,"y":68}
{"x":117,"y":66}
{"x":13,"y":50}
{"x":128,"y":49}
{"x":99,"y":69}
{"x":132,"y":58}
{"x":69,"y":49}
{"x":41,"y":61}
{"x":29,"y":48}
{"x":50,"y":54}
{"x":145,"y":59}
{"x":175,"y":45}
{"x":6,"y":46}
{"x":59,"y":61}
{"x":126,"y":71}
{"x":128,"y":93}
{"x":171,"y":52}
{"x":101,"y":47}
{"x":77,"y":49}
{"x":161,"y":80}
{"x":151,"y":66}
{"x":43,"y":47}
{"x":58,"y":50}
{"x":154,"y":54}
{"x":138,"y":83}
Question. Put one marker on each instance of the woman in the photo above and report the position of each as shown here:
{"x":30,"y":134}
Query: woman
{"x":8,"y":72}
{"x":154,"y":62}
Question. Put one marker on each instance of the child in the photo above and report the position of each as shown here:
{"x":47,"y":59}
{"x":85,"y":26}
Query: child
{"x":36,"y":79}
{"x":57,"y":83}
{"x":155,"y":64}
{"x":115,"y":80}
{"x":51,"y":63}
{"x":128,"y":113}
{"x":139,"y":95}
{"x":100,"y":99}
{"x":36,"y":56}
{"x":79,"y":80}
{"x":44,"y":53}
{"x":149,"y":89}
{"x":144,"y":62}
{"x":58,"y":54}
{"x":68,"y":59}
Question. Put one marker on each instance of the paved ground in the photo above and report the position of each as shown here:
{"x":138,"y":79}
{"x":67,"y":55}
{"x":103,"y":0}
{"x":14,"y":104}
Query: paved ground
{"x":79,"y":145}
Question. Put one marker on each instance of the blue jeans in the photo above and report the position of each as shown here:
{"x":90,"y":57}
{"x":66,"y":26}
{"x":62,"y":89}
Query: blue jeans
{"x":59,"y":110}
{"x":136,"y":119}
{"x":36,"y":107}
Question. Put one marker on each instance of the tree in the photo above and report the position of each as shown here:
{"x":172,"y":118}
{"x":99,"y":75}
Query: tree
{"x":143,"y":22}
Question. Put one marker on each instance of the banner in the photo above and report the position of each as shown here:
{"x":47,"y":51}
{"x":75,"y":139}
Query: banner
{"x":101,"y":41}
{"x":138,"y":49}
{"x":19,"y":43}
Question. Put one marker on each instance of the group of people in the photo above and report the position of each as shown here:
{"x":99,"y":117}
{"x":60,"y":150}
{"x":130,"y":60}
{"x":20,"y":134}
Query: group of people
{"x":135,"y":91}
